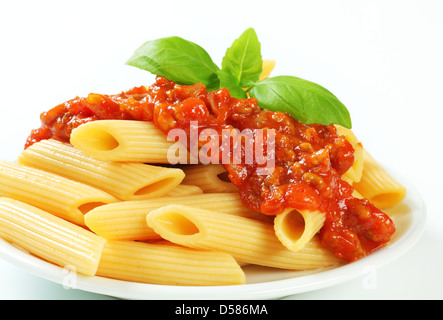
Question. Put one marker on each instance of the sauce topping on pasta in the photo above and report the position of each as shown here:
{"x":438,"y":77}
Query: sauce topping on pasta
{"x":309,"y":159}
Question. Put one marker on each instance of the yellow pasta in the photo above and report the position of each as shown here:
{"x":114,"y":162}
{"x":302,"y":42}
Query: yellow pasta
{"x":127,"y":220}
{"x":294,"y":228}
{"x":267,"y":67}
{"x":354,"y":173}
{"x":210,"y":178}
{"x":49,"y":237}
{"x":378,"y":186}
{"x":168,"y":265}
{"x":184,"y":190}
{"x":58,"y":195}
{"x":123,"y":141}
{"x":126,"y":181}
{"x":247,"y":240}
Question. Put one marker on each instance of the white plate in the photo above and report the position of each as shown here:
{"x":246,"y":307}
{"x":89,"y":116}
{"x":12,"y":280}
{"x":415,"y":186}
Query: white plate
{"x":262,"y":283}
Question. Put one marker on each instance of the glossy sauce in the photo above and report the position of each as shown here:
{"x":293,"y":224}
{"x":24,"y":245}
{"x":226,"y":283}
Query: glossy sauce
{"x":309,"y":159}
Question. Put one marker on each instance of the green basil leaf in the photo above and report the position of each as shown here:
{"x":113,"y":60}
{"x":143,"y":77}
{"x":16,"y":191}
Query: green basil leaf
{"x":304,"y":100}
{"x":243,"y":59}
{"x":246,"y":83}
{"x":176,"y":59}
{"x":227,"y":81}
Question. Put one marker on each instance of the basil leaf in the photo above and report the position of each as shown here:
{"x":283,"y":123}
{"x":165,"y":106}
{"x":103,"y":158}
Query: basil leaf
{"x":243,"y":59}
{"x":246,"y":83}
{"x":228,"y":81}
{"x":304,"y":100}
{"x":176,"y":59}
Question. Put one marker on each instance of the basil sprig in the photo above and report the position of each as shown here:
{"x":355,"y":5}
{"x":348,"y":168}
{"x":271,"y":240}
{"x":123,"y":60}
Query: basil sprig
{"x":185,"y":62}
{"x":178,"y":60}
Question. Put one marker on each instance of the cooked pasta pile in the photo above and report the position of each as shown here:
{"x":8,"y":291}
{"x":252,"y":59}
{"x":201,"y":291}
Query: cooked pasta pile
{"x":108,"y":209}
{"x":109,"y":203}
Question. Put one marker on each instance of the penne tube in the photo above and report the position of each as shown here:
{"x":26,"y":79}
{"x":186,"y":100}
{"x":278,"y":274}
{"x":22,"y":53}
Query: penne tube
{"x":355,"y":172}
{"x":49,"y":237}
{"x":122,"y":141}
{"x":357,"y":194}
{"x":210,"y":178}
{"x":294,"y":228}
{"x":127,"y":220}
{"x":267,"y":67}
{"x":168,"y":264}
{"x":184,"y":190}
{"x":126,"y":181}
{"x":378,"y":186}
{"x":63,"y":197}
{"x":247,"y":240}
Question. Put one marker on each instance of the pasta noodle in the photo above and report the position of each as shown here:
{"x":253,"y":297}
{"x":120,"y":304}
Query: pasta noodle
{"x":127,"y":220}
{"x":255,"y":244}
{"x":58,"y":195}
{"x":210,"y":178}
{"x":378,"y":186}
{"x":122,"y":141}
{"x":126,"y":181}
{"x":49,"y":237}
{"x":354,"y":173}
{"x":184,"y":190}
{"x":295,"y":228}
{"x":168,"y":264}
{"x":268,"y":66}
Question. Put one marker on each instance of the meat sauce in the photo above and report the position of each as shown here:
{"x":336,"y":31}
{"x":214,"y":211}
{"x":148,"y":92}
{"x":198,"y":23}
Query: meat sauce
{"x":308,"y":165}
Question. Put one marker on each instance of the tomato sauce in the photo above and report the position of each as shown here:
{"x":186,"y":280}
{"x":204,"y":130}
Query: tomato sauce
{"x":309,"y":159}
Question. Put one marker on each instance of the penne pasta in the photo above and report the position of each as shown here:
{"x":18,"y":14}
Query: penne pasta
{"x":168,"y":265}
{"x":49,"y":237}
{"x":210,"y":178}
{"x":267,"y":67}
{"x":354,"y":173}
{"x":378,"y":186}
{"x":127,"y":220}
{"x":63,"y":197}
{"x":295,"y":228}
{"x":122,"y":141}
{"x":247,"y":240}
{"x":184,"y":190}
{"x":126,"y":181}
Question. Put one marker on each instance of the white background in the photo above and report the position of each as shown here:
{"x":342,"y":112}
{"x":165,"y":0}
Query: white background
{"x":383,"y":59}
